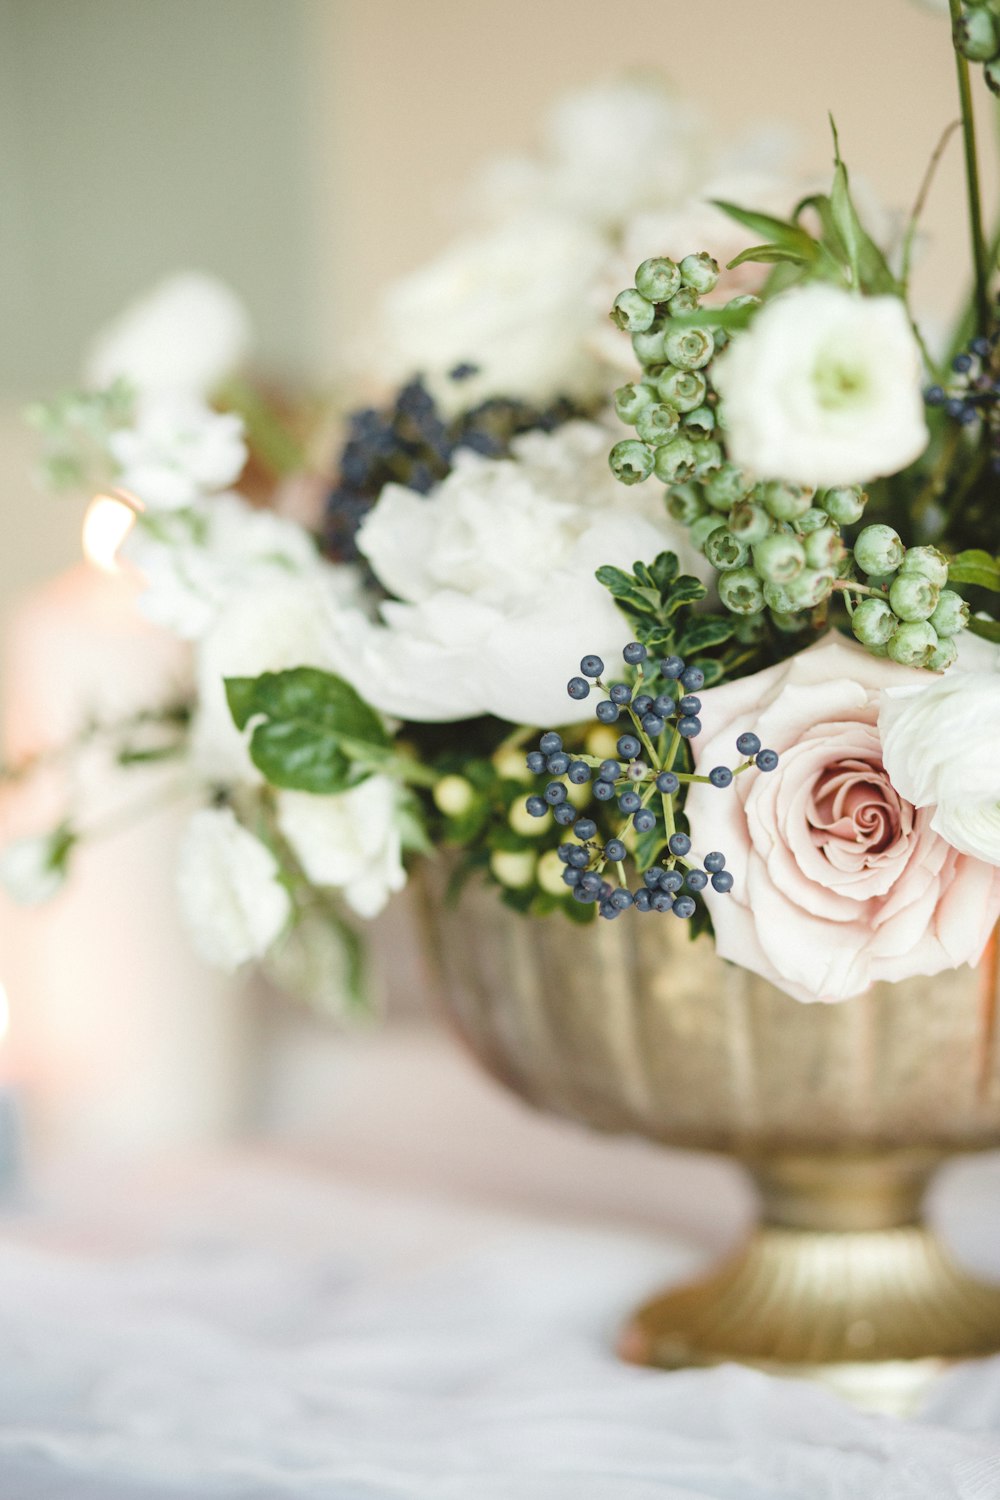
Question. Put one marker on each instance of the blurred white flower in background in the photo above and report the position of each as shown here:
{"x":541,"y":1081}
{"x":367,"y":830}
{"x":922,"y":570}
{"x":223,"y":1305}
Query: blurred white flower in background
{"x":194,"y":561}
{"x":177,"y":450}
{"x":510,"y":300}
{"x":186,"y":334}
{"x":229,"y":890}
{"x":33,"y":869}
{"x":824,"y":388}
{"x":351,"y":842}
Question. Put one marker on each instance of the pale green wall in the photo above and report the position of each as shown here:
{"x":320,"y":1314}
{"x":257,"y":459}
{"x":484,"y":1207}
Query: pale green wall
{"x":142,"y":136}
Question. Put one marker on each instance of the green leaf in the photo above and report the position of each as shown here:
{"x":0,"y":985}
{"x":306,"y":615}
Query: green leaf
{"x":710,"y":630}
{"x":780,"y":233}
{"x":685,"y":591}
{"x":316,"y":734}
{"x":767,"y":255}
{"x":989,"y":630}
{"x":977,"y":567}
{"x":864,"y":260}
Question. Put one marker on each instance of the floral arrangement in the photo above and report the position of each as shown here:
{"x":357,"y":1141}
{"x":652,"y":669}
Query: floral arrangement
{"x":689,"y":611}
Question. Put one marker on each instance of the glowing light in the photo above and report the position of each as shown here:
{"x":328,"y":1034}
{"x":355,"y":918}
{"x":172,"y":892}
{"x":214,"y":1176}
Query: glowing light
{"x":107,"y":523}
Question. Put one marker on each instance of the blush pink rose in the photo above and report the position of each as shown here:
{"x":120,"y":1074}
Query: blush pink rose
{"x":838,"y":880}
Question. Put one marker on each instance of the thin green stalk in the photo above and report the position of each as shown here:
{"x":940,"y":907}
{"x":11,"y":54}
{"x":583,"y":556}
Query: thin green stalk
{"x":972,"y":182}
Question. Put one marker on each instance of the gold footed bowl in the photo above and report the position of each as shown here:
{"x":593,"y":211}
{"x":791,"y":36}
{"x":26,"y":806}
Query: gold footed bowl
{"x":842,"y":1113}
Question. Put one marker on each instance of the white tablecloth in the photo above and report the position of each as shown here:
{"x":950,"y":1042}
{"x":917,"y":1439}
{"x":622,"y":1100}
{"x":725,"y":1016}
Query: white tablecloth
{"x":420,"y":1307}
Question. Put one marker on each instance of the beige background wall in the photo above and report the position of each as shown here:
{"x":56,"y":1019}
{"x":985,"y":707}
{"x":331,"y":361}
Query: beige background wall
{"x":310,"y":150}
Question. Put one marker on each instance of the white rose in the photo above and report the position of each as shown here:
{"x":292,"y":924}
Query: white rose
{"x":267,"y":628}
{"x":824,"y":388}
{"x":351,"y":841}
{"x":939,"y":746}
{"x":178,"y":450}
{"x":495,"y":577}
{"x":32,"y":870}
{"x":229,"y":890}
{"x":186,"y":334}
{"x":512,"y":302}
{"x":195,"y":561}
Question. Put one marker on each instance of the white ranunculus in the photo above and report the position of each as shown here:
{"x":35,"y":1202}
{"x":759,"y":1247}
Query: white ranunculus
{"x":509,"y":300}
{"x":195,"y":561}
{"x":351,"y":841}
{"x":606,"y":152}
{"x":33,"y":870}
{"x":267,"y":628}
{"x":494,"y":574}
{"x":229,"y":890}
{"x":824,"y":388}
{"x":177,"y":451}
{"x":185,"y":334}
{"x":939,"y":746}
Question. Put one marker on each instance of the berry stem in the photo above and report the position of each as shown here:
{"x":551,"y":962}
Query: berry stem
{"x":972,"y":180}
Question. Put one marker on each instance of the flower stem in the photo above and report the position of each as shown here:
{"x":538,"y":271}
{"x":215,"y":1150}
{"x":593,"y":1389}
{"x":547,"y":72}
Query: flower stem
{"x":972,"y":182}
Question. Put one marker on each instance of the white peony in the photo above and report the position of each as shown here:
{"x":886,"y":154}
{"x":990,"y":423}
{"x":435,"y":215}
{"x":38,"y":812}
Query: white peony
{"x":229,"y":889}
{"x":33,"y":870}
{"x":195,"y":561}
{"x":511,"y":301}
{"x":494,"y":574}
{"x":607,"y":152}
{"x":177,"y":451}
{"x":268,"y":628}
{"x":351,"y":842}
{"x":186,"y":334}
{"x":939,"y":746}
{"x":824,"y":388}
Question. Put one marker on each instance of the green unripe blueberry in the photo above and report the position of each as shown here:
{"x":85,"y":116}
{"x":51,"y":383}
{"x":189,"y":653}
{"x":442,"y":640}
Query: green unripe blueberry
{"x":658,"y":278}
{"x":676,"y":460}
{"x":632,"y":311}
{"x":684,"y":390}
{"x":809,"y":589}
{"x":787,"y":622}
{"x":976,"y":36}
{"x":726,"y":551}
{"x":709,"y":456}
{"x":943,"y":656}
{"x":723,"y":338}
{"x":746,"y":299}
{"x":811,"y":520}
{"x":951,"y":615}
{"x":785,"y":502}
{"x":878,"y":550}
{"x":749,"y":521}
{"x":550,"y":874}
{"x":726,"y":487}
{"x":845,"y":504}
{"x":741,"y":592}
{"x":453,"y":795}
{"x":873,"y":622}
{"x":657,"y":424}
{"x":748,"y":629}
{"x":649,"y":347}
{"x":876,"y":580}
{"x":686,"y":301}
{"x":514,"y":868}
{"x":685,"y":504}
{"x":631,"y":462}
{"x":928,"y":562}
{"x":913,"y":643}
{"x":630,"y":400}
{"x":700,"y":272}
{"x":702,"y":419}
{"x":779,"y":558}
{"x":689,"y":348}
{"x":913,"y":597}
{"x":703,"y":528}
{"x":824,"y":548}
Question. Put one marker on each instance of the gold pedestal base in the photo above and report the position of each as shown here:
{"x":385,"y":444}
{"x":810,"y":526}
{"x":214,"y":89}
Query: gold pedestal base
{"x":874,"y":1308}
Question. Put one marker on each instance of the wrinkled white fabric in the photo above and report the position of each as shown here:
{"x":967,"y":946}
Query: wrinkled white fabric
{"x":257,"y":1331}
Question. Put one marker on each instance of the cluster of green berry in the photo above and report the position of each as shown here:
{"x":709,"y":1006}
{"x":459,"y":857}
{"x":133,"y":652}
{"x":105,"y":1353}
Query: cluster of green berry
{"x":977,"y":37}
{"x":905,"y":611}
{"x":673,"y":407}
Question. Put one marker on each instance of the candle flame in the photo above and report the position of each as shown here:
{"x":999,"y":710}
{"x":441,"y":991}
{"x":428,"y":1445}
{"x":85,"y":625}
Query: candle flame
{"x":107,"y":523}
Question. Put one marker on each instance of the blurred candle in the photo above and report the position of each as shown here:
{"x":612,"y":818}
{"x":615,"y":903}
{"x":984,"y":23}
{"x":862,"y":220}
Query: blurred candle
{"x":130,"y":1044}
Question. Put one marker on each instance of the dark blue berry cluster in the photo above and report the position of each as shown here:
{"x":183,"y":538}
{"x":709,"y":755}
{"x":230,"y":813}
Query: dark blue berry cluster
{"x":410,"y":442}
{"x":647,"y":781}
{"x":972,"y":392}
